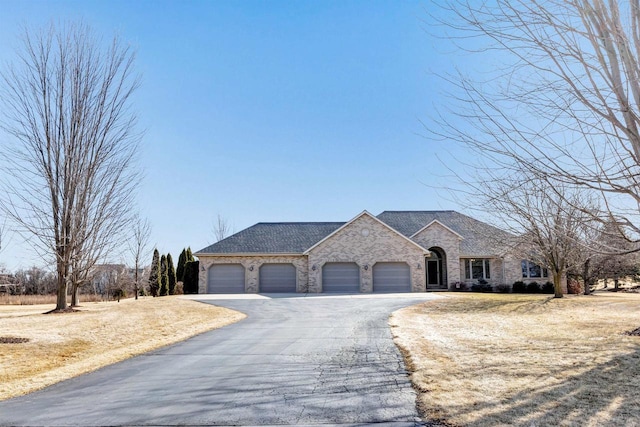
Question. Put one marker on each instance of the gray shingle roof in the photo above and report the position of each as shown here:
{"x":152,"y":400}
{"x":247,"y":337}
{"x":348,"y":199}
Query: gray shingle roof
{"x":479,"y":238}
{"x":274,"y":238}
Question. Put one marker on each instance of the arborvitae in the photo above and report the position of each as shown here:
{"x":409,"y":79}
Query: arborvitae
{"x":182,"y":260}
{"x":191,"y":272}
{"x":187,"y":280}
{"x":171,"y":272}
{"x":164,"y":277}
{"x":154,"y":274}
{"x":190,"y":257}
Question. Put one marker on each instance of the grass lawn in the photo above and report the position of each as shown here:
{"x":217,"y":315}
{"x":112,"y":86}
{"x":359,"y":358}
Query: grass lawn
{"x":61,"y":346}
{"x":529,"y":360}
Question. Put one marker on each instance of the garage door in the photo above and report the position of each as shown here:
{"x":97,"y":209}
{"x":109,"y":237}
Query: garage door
{"x":340,"y":277}
{"x":226,"y":279}
{"x":277,"y":278}
{"x":391,"y":277}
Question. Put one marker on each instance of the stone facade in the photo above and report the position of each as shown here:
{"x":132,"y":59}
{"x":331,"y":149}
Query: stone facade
{"x":366,"y":241}
{"x":252,"y":269}
{"x":437,"y":235}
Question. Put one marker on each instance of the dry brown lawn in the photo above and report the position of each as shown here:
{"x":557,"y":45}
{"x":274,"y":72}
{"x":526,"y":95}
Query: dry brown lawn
{"x":528,"y":360}
{"x":65,"y":345}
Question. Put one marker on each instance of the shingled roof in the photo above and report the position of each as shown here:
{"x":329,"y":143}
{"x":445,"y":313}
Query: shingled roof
{"x":274,"y":238}
{"x":479,"y":238}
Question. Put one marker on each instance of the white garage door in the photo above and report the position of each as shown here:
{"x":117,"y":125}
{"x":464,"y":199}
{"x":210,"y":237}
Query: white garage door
{"x":391,"y":277}
{"x":226,"y":279}
{"x":340,"y":277}
{"x":277,"y":278}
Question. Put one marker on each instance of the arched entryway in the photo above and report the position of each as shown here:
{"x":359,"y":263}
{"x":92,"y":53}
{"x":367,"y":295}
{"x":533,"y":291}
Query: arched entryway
{"x":436,"y":269}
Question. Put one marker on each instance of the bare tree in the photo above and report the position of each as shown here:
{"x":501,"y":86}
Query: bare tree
{"x":549,"y":231}
{"x":139,"y":247}
{"x":3,"y":235}
{"x":563,"y":101}
{"x":69,"y":182}
{"x":221,"y":228}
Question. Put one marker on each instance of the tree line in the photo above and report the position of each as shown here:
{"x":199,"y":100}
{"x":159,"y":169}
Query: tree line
{"x":163,"y":277}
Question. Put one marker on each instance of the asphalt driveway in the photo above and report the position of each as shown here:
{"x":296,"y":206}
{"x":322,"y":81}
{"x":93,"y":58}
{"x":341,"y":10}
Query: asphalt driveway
{"x":295,"y":360}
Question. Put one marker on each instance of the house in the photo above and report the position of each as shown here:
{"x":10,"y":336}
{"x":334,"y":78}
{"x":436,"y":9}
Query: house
{"x":396,"y":251}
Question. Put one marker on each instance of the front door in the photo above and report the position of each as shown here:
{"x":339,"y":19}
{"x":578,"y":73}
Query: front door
{"x":433,"y":273}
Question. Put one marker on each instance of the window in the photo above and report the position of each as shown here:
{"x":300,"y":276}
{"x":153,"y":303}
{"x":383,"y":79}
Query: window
{"x":533,"y":271}
{"x":477,"y":269}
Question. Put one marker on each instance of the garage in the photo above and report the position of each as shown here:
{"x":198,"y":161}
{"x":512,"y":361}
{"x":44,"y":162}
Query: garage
{"x":277,"y":278}
{"x":226,"y":279}
{"x":391,"y":277}
{"x":341,"y":277}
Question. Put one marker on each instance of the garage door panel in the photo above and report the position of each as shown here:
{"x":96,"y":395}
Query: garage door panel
{"x":391,"y":277}
{"x":226,"y":279}
{"x":341,"y":277}
{"x":277,"y":278}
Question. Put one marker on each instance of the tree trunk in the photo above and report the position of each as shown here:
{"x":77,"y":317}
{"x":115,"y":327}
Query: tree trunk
{"x":616,"y":284}
{"x":61,"y":301}
{"x":585,"y":277}
{"x":135,"y":287}
{"x":75,"y":295}
{"x":557,"y":285}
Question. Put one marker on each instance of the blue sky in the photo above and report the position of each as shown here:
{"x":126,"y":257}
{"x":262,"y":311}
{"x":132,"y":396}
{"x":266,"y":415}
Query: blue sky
{"x":268,"y":111}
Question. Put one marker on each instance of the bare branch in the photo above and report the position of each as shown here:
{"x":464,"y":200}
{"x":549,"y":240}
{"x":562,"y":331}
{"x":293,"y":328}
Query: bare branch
{"x":221,"y":228}
{"x":69,"y":169}
{"x":563,"y":108}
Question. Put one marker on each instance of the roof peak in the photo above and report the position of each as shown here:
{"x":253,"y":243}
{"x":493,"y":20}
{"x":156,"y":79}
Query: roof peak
{"x":420,"y":211}
{"x":300,"y":222}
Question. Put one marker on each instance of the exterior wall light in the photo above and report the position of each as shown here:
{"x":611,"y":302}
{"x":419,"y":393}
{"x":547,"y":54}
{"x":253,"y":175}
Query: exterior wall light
{"x":419,"y":266}
{"x":251,"y":268}
{"x":314,"y":268}
{"x":366,"y":267}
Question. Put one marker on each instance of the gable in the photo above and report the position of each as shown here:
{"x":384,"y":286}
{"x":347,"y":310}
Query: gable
{"x":478,"y":238}
{"x":435,"y":227}
{"x":366,"y":232}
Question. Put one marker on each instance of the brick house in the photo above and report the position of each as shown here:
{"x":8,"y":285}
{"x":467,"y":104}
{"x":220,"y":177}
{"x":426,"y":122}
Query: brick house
{"x":396,"y":251}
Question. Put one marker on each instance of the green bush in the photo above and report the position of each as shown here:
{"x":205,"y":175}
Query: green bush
{"x":548,"y":288}
{"x":171,"y":275}
{"x":503,"y":288}
{"x":533,"y":288}
{"x":191,"y":273}
{"x":519,"y":287}
{"x":481,"y":286}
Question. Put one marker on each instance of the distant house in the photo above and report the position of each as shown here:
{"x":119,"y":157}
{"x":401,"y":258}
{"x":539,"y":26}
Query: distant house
{"x":106,"y":277}
{"x":9,"y":284}
{"x":396,"y":251}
